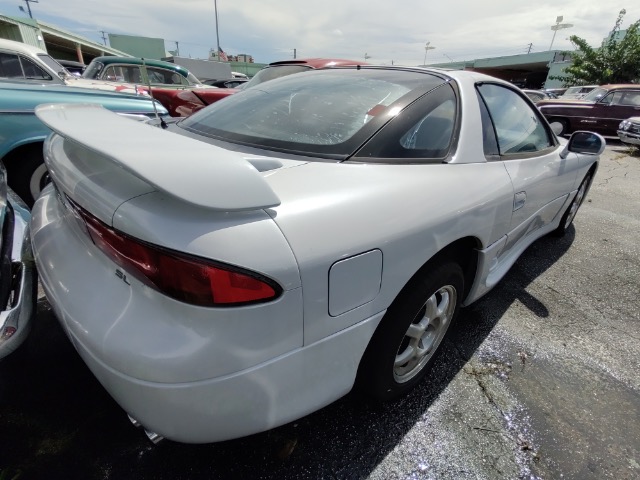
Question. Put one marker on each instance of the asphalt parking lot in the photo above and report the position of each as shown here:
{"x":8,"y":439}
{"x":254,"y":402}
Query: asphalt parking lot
{"x":540,"y":379}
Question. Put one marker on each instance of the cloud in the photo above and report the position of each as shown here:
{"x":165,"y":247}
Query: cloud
{"x":458,"y":29}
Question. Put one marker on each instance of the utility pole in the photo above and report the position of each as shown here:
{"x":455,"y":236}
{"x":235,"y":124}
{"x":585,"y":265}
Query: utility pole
{"x":295,"y":53}
{"x":529,"y":49}
{"x":177,"y":50}
{"x":28,"y":7}
{"x":104,"y":36}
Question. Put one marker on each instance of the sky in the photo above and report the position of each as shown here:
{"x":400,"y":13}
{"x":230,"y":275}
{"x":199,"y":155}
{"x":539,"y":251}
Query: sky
{"x":386,"y":32}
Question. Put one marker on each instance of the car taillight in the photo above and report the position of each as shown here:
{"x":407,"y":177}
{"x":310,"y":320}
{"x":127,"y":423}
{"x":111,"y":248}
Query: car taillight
{"x":186,"y":278}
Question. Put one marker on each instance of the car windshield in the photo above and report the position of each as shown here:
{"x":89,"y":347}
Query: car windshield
{"x":93,"y":70}
{"x":321,"y":112}
{"x":270,"y":73}
{"x":595,"y":95}
{"x":193,"y":80}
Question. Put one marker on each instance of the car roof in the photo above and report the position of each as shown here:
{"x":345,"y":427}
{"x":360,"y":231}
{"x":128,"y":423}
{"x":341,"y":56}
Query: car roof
{"x":20,"y":47}
{"x":108,"y":60}
{"x":620,"y":85}
{"x":318,"y":62}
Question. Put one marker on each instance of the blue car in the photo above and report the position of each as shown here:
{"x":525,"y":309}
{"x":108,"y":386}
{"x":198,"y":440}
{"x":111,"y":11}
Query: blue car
{"x":22,"y":134}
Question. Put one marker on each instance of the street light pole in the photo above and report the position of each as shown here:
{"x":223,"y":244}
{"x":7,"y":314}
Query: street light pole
{"x":426,"y":49}
{"x":558,"y":26}
{"x":215,"y":7}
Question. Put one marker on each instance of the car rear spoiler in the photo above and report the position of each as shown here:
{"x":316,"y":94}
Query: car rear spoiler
{"x":190,"y":170}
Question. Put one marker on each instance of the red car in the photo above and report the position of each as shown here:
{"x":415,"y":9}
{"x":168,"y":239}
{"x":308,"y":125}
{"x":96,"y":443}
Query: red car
{"x":182,"y":103}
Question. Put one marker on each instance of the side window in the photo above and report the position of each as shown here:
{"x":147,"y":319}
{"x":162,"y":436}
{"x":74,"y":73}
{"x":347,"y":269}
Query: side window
{"x":630,"y":98}
{"x":15,"y":66}
{"x":425,"y":131}
{"x":10,"y":66}
{"x":113,"y":73}
{"x":519,"y":128}
{"x":165,"y":77}
{"x":608,"y":99}
{"x":431,"y":135}
{"x":489,"y":142}
{"x":33,"y":71}
{"x":132,"y":75}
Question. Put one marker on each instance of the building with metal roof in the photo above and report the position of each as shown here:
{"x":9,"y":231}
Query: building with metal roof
{"x":59,"y":43}
{"x":529,"y":70}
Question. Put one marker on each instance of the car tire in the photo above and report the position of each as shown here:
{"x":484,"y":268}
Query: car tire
{"x":562,"y":127}
{"x":27,"y":174}
{"x":572,"y":210}
{"x":410,"y":335}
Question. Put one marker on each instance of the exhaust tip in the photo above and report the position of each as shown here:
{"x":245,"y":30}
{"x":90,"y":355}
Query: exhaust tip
{"x":154,"y":437}
{"x":135,"y":422}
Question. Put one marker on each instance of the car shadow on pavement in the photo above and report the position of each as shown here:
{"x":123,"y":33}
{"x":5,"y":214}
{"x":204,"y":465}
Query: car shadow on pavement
{"x":57,"y":421}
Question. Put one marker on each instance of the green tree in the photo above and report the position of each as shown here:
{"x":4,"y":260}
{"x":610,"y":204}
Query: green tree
{"x":616,"y":61}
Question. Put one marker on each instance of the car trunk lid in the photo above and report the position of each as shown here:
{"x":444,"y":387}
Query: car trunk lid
{"x":101,"y":160}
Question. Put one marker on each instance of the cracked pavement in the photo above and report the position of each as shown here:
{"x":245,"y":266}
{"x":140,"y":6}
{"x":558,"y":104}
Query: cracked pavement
{"x":538,"y":379}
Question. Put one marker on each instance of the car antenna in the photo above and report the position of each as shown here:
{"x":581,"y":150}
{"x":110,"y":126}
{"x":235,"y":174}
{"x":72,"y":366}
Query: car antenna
{"x":163,"y":124}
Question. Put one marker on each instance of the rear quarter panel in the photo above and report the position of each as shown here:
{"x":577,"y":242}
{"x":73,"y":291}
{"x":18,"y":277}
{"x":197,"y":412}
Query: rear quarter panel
{"x":331,"y":212}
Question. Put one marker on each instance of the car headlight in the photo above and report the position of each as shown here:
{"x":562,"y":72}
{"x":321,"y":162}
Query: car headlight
{"x":624,"y":125}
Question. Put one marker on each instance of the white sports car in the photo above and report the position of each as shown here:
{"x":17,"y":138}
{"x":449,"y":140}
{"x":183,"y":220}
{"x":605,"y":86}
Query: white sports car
{"x":250,"y":264}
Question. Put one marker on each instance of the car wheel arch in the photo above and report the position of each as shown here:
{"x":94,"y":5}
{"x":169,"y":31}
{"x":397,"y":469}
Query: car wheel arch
{"x":462,"y":255}
{"x":463,"y":251}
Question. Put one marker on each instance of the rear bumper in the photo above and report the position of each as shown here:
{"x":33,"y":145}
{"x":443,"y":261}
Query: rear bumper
{"x":247,"y":402}
{"x":16,"y":318}
{"x":631,"y":138}
{"x":190,"y":374}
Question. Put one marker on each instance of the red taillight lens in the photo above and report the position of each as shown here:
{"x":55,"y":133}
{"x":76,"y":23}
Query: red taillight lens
{"x":183,"y":277}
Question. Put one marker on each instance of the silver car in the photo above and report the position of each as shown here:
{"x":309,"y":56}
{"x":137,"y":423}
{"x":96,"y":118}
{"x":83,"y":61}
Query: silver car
{"x":247,"y":265}
{"x":18,"y":277}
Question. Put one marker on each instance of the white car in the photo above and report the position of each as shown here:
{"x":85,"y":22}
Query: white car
{"x":577,"y":93}
{"x":629,"y":131}
{"x":250,"y":264}
{"x":24,"y":63}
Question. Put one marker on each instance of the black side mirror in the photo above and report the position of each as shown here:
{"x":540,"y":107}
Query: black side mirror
{"x":586,"y":143}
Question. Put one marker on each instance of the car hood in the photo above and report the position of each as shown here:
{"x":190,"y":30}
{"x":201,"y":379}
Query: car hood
{"x":109,"y":86}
